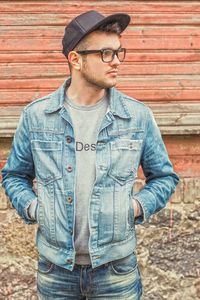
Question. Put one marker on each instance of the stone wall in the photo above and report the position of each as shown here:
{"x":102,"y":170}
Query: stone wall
{"x":168,"y":247}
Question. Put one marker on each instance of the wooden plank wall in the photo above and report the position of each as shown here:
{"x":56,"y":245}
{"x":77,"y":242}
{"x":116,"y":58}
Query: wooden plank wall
{"x":162,"y":67}
{"x":162,"y":43}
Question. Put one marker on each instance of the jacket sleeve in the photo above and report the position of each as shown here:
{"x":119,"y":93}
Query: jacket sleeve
{"x":18,"y":173}
{"x":161,"y":180}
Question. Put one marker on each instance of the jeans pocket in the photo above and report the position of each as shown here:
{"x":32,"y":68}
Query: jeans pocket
{"x":125,"y":265}
{"x":44,"y":265}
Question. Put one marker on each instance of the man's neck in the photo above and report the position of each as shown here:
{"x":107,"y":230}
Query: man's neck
{"x":84,"y":94}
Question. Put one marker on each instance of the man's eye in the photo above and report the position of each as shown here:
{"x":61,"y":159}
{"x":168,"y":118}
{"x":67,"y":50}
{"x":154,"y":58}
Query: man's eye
{"x":107,"y":53}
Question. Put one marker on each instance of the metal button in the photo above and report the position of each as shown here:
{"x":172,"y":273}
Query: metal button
{"x":69,"y":261}
{"x":69,"y":199}
{"x":70,"y":231}
{"x":69,"y":169}
{"x":69,"y":140}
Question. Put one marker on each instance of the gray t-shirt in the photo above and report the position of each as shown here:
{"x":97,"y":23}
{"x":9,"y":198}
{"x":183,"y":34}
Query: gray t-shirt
{"x":86,"y":122}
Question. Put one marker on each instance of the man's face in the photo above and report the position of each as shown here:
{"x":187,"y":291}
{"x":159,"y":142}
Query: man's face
{"x":93,"y":70}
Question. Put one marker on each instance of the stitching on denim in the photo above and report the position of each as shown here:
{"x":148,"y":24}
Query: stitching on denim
{"x":124,"y":273}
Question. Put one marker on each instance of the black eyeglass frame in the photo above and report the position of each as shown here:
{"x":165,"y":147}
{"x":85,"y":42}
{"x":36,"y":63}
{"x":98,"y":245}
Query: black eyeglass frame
{"x":115,"y":52}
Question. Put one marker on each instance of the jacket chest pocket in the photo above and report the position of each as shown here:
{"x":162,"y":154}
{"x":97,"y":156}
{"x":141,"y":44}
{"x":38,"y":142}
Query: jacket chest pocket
{"x":47,"y":159}
{"x":124,"y":159}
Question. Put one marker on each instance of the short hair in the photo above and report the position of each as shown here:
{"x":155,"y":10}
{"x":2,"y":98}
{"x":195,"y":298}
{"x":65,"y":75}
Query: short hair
{"x":113,"y":27}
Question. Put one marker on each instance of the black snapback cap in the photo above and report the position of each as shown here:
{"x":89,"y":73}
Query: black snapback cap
{"x":87,"y":22}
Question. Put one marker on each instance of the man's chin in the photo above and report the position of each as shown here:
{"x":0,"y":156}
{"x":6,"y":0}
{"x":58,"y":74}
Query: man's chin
{"x":111,"y":84}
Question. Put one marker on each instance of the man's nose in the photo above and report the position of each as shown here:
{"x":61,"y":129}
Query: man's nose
{"x":115,"y":60}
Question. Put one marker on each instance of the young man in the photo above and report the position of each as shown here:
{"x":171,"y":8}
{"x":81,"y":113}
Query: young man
{"x":84,"y":144}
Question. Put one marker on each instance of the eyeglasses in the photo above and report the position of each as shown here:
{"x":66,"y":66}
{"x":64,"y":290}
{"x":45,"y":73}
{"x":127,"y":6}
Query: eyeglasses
{"x":107,"y":54}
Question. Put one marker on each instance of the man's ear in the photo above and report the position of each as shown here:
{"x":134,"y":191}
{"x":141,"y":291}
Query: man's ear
{"x":75,"y":60}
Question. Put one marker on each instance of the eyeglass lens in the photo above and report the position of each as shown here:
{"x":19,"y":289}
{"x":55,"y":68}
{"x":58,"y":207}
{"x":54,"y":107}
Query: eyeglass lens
{"x":108,"y":55}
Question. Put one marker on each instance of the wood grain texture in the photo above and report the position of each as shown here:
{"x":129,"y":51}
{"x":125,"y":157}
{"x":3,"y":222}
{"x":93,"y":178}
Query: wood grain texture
{"x":42,"y":70}
{"x":64,"y":6}
{"x":172,"y":118}
{"x":161,"y":68}
{"x":162,"y":41}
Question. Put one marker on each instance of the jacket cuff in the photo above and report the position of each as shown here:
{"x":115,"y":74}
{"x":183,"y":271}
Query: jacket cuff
{"x":139,"y":208}
{"x":30,"y":212}
{"x":23,"y":207}
{"x":142,"y":197}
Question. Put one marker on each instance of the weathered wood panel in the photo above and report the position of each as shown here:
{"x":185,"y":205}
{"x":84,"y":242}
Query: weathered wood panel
{"x":131,"y":43}
{"x":77,"y":6}
{"x":184,"y":153}
{"x":22,"y":96}
{"x":162,"y":43}
{"x":162,"y":66}
{"x":16,"y":70}
{"x":37,"y":19}
{"x":132,"y":30}
{"x":136,"y":82}
{"x":172,"y":119}
{"x":177,"y":56}
{"x":184,"y":166}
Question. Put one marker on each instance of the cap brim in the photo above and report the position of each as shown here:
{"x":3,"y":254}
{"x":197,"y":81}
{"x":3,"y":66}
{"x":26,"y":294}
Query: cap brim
{"x":122,"y":19}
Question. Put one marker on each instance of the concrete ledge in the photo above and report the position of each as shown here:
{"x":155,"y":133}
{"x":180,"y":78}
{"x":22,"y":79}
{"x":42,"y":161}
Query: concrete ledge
{"x":172,"y":119}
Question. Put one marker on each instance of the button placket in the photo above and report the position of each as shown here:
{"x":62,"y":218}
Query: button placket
{"x":69,"y":139}
{"x":69,"y":168}
{"x":69,"y":199}
{"x":69,"y":261}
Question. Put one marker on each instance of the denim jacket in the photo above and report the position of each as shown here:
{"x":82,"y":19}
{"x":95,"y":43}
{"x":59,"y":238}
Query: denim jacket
{"x":44,"y":147}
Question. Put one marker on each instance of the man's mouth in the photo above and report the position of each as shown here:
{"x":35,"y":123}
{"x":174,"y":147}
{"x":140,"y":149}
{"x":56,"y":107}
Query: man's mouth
{"x":113,"y":72}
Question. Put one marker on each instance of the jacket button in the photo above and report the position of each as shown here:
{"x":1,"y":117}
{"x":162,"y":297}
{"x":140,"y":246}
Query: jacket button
{"x":69,"y":169}
{"x":69,"y":261}
{"x":69,"y":199}
{"x":70,"y":231}
{"x":69,"y":140}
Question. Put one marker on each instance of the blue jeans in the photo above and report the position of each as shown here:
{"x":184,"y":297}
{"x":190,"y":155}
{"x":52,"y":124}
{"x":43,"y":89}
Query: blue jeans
{"x":119,"y":279}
